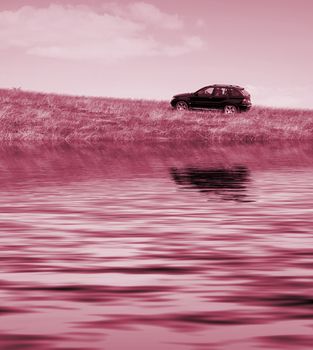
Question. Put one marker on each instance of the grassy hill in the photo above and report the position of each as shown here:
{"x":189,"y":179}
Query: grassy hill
{"x":38,"y":117}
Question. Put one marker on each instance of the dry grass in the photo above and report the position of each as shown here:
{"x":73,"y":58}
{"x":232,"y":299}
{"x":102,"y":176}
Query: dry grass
{"x":37,"y":117}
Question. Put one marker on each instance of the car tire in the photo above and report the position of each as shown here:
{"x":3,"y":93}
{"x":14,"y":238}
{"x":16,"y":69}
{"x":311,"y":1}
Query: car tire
{"x":181,"y":106}
{"x":230,"y":109}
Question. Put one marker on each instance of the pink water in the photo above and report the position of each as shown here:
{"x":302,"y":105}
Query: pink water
{"x":156,"y":247}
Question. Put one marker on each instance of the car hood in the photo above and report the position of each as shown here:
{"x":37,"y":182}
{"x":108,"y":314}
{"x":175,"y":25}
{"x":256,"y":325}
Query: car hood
{"x":187,"y":94}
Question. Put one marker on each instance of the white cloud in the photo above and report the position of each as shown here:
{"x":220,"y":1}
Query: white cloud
{"x":200,"y":23}
{"x":190,"y":44}
{"x":148,"y":13}
{"x":80,"y":32}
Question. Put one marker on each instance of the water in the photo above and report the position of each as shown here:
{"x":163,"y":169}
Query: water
{"x":156,"y":247}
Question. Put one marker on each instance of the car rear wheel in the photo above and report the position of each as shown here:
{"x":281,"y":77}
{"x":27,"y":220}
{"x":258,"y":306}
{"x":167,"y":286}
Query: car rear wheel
{"x":181,"y":106}
{"x":230,"y":109}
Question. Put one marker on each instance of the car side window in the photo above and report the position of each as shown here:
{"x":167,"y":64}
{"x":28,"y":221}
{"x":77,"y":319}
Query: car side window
{"x":220,"y":92}
{"x":207,"y":91}
{"x":234,"y":93}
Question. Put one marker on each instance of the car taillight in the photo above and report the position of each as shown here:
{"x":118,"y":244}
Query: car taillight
{"x":246,"y":100}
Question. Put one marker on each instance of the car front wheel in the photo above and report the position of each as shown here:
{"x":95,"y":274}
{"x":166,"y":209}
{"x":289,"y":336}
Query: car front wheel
{"x":181,"y":106}
{"x":230,"y":109}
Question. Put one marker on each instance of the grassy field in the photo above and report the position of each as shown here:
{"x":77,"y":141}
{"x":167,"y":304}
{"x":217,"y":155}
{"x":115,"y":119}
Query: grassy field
{"x":42,"y":118}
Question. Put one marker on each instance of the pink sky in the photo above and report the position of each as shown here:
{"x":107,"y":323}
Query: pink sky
{"x":154,"y":49}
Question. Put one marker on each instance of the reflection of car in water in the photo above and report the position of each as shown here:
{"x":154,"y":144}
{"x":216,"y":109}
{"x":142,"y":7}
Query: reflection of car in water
{"x":229,"y":183}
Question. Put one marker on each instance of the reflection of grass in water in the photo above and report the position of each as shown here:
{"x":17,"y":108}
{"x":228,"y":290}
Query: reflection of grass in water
{"x":26,"y":116}
{"x":25,"y":163}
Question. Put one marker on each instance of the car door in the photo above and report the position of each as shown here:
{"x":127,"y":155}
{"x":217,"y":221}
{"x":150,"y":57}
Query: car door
{"x":202,"y":97}
{"x":219,"y":98}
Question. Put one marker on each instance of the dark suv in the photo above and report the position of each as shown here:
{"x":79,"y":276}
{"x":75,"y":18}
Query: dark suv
{"x":229,"y":98}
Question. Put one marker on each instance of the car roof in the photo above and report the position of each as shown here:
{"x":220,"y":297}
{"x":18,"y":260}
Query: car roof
{"x":227,"y":85}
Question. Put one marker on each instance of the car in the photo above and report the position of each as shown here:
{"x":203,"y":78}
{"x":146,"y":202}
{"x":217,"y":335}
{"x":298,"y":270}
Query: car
{"x":229,"y":98}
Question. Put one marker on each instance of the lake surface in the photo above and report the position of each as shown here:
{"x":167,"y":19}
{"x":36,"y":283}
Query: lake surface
{"x":156,"y":247}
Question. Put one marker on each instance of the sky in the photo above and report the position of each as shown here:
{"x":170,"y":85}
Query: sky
{"x":154,"y":49}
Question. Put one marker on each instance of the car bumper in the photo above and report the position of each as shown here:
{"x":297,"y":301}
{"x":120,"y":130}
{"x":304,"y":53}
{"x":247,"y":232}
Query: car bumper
{"x":173,"y":102}
{"x":245,"y":108}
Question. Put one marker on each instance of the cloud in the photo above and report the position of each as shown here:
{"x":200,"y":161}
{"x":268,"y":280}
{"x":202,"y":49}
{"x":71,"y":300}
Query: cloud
{"x":83,"y":33}
{"x":148,"y":13}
